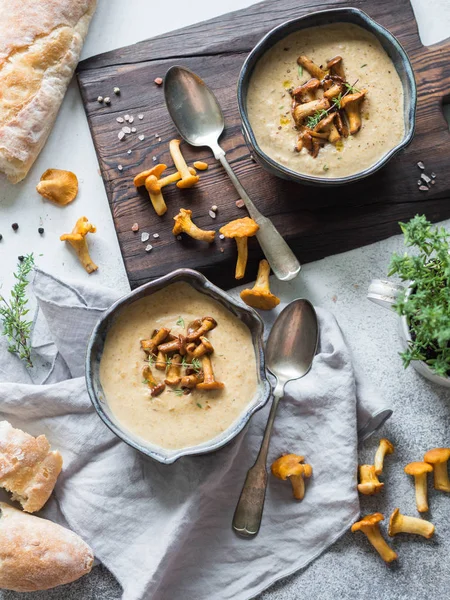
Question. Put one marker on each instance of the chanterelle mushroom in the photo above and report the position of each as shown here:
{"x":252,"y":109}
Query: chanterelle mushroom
{"x":311,"y":67}
{"x":335,"y":66}
{"x":438,"y":457}
{"x":58,"y":186}
{"x":399,"y":523}
{"x":240,"y":230}
{"x":199,"y":327}
{"x":184,"y":224}
{"x":77,"y":239}
{"x":187,"y":179}
{"x":157,"y":170}
{"x":351,"y":104}
{"x":301,"y":111}
{"x":209,"y":381}
{"x":260,"y":295}
{"x":369,"y":483}
{"x":290,"y":467}
{"x":306,"y":92}
{"x":370,"y":526}
{"x":385,"y":447}
{"x":419,"y":471}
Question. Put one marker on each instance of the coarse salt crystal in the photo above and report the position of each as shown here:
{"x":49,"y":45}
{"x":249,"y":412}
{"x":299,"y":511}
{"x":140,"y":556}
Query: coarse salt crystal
{"x":127,"y":117}
{"x":145,"y":236}
{"x":119,"y":167}
{"x":119,"y":120}
{"x":159,"y":139}
{"x":128,"y":151}
{"x":107,"y":100}
{"x":154,"y":159}
{"x":240,"y":203}
{"x":140,"y":117}
{"x":212,"y":214}
{"x":148,"y":248}
{"x":135,"y":227}
{"x":121,"y":135}
{"x":214,"y":207}
{"x":179,"y":237}
{"x":221,"y":236}
{"x":126,"y":129}
{"x":156,"y":236}
{"x":133,"y":130}
{"x":142,"y":137}
{"x":424,"y":188}
{"x":420,"y":165}
{"x":131,"y":119}
{"x":99,"y":99}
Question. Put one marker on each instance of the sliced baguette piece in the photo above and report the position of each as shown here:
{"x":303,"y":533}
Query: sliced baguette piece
{"x":36,"y":554}
{"x":28,"y":469}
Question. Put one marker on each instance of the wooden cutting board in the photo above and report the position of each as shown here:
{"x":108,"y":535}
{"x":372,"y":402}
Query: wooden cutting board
{"x":316,"y":222}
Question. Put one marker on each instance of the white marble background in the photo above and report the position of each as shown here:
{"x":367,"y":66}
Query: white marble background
{"x":339,"y":283}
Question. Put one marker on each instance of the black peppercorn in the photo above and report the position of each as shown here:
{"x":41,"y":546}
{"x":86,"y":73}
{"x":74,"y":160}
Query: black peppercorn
{"x":21,"y":258}
{"x":15,"y":226}
{"x":41,"y":230}
{"x":1,"y":237}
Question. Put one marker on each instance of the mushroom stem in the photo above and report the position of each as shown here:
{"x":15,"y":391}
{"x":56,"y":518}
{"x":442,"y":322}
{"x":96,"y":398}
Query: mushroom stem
{"x":77,"y":239}
{"x":399,"y":523}
{"x":306,"y":92}
{"x":385,"y":447}
{"x":420,"y":482}
{"x":298,"y":486}
{"x":209,"y":382}
{"x":241,"y":264}
{"x":441,"y":480}
{"x":351,"y":104}
{"x":369,"y":482}
{"x":379,"y":543}
{"x":156,"y":197}
{"x":149,"y":346}
{"x":174,"y":371}
{"x":187,"y":179}
{"x":260,"y":295}
{"x":206,"y":324}
{"x":301,"y":111}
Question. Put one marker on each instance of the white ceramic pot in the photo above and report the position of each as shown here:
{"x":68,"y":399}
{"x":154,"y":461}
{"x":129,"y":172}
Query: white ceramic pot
{"x":385,"y":293}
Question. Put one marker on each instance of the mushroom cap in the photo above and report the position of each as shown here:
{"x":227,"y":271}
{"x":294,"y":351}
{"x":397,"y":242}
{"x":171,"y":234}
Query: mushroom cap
{"x":240,"y":228}
{"x":418,"y":468}
{"x":58,"y":186}
{"x":437,"y":455}
{"x":287,"y":465}
{"x":260,"y":299}
{"x":157,"y":170}
{"x":334,"y":61}
{"x":353,"y":98}
{"x":389,"y":446}
{"x":392,"y":521}
{"x":368,"y":521}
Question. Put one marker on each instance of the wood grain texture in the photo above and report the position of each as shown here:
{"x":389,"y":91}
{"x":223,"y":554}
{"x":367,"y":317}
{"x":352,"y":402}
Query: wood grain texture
{"x":316,"y":222}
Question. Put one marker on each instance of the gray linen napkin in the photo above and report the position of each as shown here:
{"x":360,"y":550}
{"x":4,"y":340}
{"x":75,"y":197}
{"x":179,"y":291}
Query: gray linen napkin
{"x":165,"y":530}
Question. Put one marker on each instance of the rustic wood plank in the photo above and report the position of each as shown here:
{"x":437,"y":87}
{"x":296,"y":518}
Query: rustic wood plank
{"x":316,"y":222}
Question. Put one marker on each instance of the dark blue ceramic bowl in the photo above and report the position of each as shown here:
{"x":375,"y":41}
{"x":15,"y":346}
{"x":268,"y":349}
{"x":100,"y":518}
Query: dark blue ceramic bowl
{"x":97,"y":342}
{"x":395,"y":52}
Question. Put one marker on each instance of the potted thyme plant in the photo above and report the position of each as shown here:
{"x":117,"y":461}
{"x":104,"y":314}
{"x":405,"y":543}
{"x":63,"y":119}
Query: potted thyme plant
{"x":424,"y":304}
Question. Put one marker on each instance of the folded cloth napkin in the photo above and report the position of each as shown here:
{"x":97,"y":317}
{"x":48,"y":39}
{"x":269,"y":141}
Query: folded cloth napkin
{"x":165,"y":531}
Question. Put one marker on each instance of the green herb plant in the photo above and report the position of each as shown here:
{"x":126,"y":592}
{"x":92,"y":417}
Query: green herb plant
{"x":13,"y":313}
{"x":426,"y":302}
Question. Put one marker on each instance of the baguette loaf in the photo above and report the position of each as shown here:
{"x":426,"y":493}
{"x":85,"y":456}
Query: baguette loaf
{"x":27,"y":467}
{"x":36,"y":554}
{"x":40,"y":44}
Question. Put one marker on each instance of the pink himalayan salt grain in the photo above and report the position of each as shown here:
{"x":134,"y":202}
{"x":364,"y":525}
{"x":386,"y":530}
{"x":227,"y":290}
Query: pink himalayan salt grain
{"x":135,"y":227}
{"x":240,"y":203}
{"x":158,"y":81}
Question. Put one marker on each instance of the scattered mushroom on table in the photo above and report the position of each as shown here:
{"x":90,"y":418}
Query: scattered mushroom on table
{"x":420,"y":470}
{"x":240,"y":230}
{"x":292,"y":467}
{"x":77,"y":239}
{"x":58,"y":186}
{"x":260,"y":296}
{"x":385,"y":447}
{"x":184,"y":224}
{"x":438,"y":457}
{"x":369,"y":482}
{"x":369,"y":525}
{"x":399,"y":523}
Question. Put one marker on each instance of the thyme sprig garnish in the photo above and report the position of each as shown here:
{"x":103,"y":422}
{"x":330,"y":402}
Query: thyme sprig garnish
{"x":13,"y":312}
{"x":314,"y":120}
{"x":195,"y":364}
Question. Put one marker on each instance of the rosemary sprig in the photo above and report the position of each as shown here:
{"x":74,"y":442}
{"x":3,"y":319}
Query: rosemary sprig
{"x":16,"y":327}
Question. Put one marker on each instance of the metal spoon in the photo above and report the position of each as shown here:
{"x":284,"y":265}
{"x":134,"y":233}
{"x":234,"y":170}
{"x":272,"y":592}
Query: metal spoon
{"x":290,"y":351}
{"x":199,"y":120}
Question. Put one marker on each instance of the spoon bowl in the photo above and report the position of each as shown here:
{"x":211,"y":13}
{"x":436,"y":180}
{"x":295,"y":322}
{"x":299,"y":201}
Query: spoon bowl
{"x":290,"y":351}
{"x":289,"y":355}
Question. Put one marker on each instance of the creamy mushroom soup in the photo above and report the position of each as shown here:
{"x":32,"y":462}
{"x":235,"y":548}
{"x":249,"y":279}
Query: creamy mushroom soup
{"x":365,"y":62}
{"x":173,"y":420}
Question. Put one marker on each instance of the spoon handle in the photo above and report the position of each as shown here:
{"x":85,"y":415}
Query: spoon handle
{"x":281,"y":258}
{"x":249,"y":509}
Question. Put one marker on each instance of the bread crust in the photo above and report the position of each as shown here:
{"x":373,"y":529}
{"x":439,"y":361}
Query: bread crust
{"x":40,"y":44}
{"x":36,"y":554}
{"x":28,"y":468}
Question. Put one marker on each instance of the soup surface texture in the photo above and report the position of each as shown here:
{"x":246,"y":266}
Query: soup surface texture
{"x":171,"y":420}
{"x":367,"y":66}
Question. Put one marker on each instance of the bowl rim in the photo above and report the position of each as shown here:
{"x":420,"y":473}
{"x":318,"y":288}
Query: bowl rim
{"x":264,"y":390}
{"x":247,"y":69}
